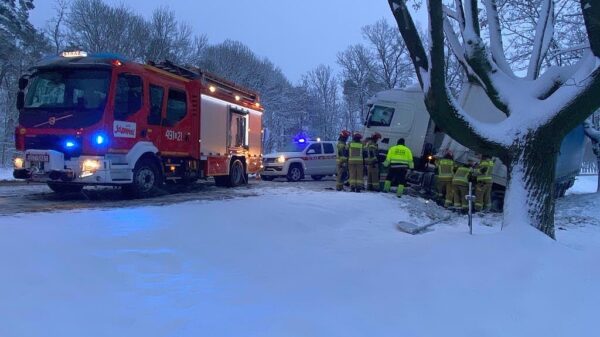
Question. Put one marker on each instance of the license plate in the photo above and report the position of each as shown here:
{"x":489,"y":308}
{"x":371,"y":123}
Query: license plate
{"x":37,"y":157}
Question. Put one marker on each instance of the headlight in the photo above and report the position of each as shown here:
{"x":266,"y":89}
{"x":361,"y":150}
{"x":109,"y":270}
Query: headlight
{"x":18,"y":163}
{"x":90,"y":165}
{"x":281,"y":159}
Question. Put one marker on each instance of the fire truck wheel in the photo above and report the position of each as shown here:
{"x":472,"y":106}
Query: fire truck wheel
{"x":63,"y":188}
{"x":237,"y":174}
{"x":145,"y":179}
{"x":295,"y":173}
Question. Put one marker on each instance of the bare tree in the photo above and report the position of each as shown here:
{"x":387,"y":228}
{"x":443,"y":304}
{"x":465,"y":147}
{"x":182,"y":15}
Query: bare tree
{"x":540,"y":108}
{"x":173,"y":40}
{"x":358,"y":83}
{"x":390,"y":60}
{"x":96,"y":27}
{"x":55,"y":27}
{"x":322,"y":85}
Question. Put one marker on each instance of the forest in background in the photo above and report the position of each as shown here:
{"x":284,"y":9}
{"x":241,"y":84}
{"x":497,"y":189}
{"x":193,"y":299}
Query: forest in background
{"x":325,"y":100}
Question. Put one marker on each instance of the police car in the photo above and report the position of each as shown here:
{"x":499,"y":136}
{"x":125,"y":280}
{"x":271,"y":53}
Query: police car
{"x":301,"y":158}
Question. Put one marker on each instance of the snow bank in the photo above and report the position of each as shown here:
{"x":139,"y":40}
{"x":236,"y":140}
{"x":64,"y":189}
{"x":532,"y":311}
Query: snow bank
{"x":290,"y":262}
{"x":6,"y":173}
{"x":584,"y":184}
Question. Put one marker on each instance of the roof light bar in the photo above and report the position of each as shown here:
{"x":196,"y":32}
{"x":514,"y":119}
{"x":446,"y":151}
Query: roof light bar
{"x":76,"y":53}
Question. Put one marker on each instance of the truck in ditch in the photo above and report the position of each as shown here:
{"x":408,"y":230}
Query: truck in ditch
{"x":401,"y":113}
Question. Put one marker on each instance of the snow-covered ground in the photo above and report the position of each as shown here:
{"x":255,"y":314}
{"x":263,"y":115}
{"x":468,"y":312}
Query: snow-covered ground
{"x":584,"y":184}
{"x":296,"y":262}
{"x":6,"y":173}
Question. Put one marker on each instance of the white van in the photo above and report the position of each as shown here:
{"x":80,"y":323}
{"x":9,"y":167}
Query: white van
{"x":301,"y":158}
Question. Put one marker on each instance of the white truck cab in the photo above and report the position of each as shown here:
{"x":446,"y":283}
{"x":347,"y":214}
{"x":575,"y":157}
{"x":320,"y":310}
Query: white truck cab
{"x":300,"y":158}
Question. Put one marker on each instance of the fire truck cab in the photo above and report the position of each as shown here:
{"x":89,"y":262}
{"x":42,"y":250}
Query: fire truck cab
{"x":103,"y":120}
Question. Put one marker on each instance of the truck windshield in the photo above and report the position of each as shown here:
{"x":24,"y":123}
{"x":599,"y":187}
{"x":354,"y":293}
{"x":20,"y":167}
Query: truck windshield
{"x":80,"y":89}
{"x":380,"y":116}
{"x":295,"y":147}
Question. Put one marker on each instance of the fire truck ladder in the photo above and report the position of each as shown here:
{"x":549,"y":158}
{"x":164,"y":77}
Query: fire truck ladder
{"x":197,"y":73}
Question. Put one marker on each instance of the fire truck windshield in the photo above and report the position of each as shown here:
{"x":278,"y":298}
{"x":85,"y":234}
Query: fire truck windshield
{"x":78,"y":89}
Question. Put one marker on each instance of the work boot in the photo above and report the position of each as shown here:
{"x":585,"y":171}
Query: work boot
{"x":400,"y":191}
{"x":387,"y":186}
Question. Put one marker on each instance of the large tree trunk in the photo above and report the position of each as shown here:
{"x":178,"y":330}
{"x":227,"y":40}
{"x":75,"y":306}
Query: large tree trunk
{"x":530,"y":197}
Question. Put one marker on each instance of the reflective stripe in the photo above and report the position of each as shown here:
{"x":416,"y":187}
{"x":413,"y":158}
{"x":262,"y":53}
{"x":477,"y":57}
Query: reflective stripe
{"x":445,"y":169}
{"x":487,"y":176}
{"x":372,"y":150}
{"x":461,"y":177}
{"x":400,"y":154}
{"x":355,"y":153}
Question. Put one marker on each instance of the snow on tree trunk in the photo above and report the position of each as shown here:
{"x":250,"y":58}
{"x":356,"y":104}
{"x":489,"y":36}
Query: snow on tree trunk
{"x":530,"y":196}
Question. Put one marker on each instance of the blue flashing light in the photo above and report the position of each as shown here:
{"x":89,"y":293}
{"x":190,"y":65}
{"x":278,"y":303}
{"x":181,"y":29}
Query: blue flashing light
{"x":100,"y":139}
{"x":301,"y":140}
{"x":69,"y":144}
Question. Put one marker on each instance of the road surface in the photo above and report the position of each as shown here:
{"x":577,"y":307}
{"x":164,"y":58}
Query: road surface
{"x":20,"y":197}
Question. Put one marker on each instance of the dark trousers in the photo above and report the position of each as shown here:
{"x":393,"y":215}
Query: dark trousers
{"x":397,"y":175}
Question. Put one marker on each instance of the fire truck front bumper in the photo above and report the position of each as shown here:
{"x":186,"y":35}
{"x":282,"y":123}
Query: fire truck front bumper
{"x":50,"y":166}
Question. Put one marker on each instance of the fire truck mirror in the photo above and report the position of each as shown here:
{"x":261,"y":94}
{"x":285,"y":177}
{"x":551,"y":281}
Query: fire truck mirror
{"x":23,"y":83}
{"x":20,"y":100}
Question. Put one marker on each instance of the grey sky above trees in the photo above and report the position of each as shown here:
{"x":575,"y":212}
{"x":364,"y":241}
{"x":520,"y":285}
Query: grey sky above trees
{"x":296,"y":36}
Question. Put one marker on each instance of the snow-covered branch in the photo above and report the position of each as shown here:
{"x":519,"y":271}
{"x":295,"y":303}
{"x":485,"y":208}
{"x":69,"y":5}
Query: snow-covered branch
{"x":413,"y":42}
{"x":543,"y":37}
{"x":444,"y":110}
{"x":458,"y":7}
{"x":578,"y":98}
{"x":496,"y":45}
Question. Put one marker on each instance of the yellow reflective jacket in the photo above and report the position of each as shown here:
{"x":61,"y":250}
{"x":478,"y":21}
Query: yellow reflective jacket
{"x":399,"y":155}
{"x":372,"y":150}
{"x":445,"y":169}
{"x":355,"y":153}
{"x":461,"y":177}
{"x":485,"y":171}
{"x":342,"y":152}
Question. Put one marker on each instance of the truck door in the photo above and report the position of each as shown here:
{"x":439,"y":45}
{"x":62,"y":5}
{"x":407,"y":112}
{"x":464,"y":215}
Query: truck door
{"x":237,"y":140}
{"x":329,"y":164}
{"x":314,"y":162}
{"x":156,"y":100}
{"x":178,"y":126}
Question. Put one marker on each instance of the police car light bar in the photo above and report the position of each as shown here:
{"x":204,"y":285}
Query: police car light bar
{"x":77,"y":53}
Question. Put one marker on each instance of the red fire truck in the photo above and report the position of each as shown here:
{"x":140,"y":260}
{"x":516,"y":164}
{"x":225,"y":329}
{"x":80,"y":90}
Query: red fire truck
{"x":103,"y":120}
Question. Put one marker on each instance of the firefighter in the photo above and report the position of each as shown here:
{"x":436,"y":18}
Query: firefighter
{"x":399,"y":159}
{"x":445,"y":173}
{"x":356,"y":163}
{"x":342,"y":160}
{"x":372,"y":162}
{"x":483,"y":189}
{"x":460,"y":187}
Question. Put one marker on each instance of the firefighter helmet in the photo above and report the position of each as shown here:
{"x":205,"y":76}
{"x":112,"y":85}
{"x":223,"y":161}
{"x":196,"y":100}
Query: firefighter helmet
{"x":376,"y":136}
{"x":357,"y":136}
{"x":345,"y":133}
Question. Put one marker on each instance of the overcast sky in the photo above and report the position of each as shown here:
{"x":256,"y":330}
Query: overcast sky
{"x":295,"y":35}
